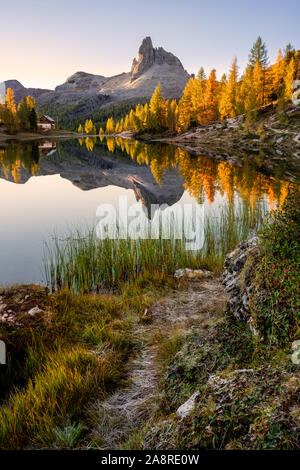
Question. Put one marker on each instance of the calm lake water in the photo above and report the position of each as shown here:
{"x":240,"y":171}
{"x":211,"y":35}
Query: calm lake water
{"x":52,"y":187}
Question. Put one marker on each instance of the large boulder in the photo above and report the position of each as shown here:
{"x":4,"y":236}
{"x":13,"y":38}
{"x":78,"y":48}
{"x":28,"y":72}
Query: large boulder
{"x":237,"y":279}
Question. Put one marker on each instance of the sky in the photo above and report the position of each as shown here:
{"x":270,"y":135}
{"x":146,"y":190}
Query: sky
{"x":43,"y":43}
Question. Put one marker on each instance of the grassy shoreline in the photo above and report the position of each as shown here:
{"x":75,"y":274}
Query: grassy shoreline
{"x":75,"y":349}
{"x":79,"y":347}
{"x":82,"y":262}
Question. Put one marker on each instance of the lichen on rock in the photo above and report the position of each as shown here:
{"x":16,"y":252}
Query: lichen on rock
{"x":237,"y":279}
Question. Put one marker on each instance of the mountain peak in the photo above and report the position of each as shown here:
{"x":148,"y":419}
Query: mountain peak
{"x":148,"y":56}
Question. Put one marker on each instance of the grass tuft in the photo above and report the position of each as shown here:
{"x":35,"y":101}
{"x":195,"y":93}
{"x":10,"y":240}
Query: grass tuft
{"x":85,"y":263}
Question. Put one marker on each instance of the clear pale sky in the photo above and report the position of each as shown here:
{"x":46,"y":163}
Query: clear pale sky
{"x":42,"y":43}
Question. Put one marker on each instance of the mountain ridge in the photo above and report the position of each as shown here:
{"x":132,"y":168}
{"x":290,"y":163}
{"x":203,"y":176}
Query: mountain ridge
{"x":90,"y":91}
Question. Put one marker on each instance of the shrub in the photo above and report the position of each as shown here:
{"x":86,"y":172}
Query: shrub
{"x":275,"y":303}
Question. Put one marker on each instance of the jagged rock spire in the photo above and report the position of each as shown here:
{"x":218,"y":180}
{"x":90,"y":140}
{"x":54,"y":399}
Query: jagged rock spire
{"x":149,"y":56}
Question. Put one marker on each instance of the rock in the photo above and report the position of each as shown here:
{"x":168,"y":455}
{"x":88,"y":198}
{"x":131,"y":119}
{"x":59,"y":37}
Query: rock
{"x":231,"y":286}
{"x":147,"y":315}
{"x":2,"y":307}
{"x":195,"y":274}
{"x":145,"y":59}
{"x":296,"y":94}
{"x":34,"y":311}
{"x":251,"y":325}
{"x":245,"y":300}
{"x":237,"y":279}
{"x":234,"y":301}
{"x":185,"y":409}
{"x":243,"y":371}
{"x":217,"y":382}
{"x":228,"y":278}
{"x":148,"y":56}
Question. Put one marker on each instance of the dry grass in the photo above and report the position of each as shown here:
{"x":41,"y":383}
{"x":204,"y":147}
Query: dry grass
{"x":81,"y":350}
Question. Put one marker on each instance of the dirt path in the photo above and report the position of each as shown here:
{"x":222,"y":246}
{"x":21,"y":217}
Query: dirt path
{"x":122,"y":413}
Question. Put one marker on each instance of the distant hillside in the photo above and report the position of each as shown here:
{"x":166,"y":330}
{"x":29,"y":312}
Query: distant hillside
{"x":19,"y":90}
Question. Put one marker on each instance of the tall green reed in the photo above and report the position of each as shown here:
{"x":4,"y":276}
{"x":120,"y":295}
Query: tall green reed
{"x":85,"y":263}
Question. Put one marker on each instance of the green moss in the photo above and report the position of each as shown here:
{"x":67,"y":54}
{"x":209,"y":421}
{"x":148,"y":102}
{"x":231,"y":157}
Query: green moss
{"x":226,"y":344}
{"x":251,"y":409}
{"x":249,"y":394}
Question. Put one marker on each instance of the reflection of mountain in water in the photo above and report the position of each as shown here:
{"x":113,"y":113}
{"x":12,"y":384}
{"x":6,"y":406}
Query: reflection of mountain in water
{"x":157,"y":173}
{"x":89,"y":169}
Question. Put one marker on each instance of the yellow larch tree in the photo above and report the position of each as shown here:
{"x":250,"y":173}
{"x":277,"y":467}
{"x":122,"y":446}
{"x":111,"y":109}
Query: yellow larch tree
{"x":277,"y":73}
{"x":10,"y":100}
{"x":156,"y":108}
{"x":229,"y":94}
{"x":211,"y":97}
{"x":289,"y":78}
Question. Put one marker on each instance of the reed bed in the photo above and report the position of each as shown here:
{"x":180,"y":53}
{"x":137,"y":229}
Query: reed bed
{"x":83,"y":262}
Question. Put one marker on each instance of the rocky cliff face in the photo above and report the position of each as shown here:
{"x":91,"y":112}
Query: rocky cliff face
{"x":145,"y":59}
{"x":153,"y":66}
{"x":148,"y":56}
{"x":82,"y":81}
{"x":238,"y":272}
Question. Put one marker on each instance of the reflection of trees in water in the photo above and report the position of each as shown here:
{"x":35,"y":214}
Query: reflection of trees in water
{"x":90,"y":143}
{"x":16,"y":155}
{"x":204,"y":177}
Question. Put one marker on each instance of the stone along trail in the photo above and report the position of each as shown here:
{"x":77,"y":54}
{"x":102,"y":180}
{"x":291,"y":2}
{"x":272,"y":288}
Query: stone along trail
{"x":122,"y":414}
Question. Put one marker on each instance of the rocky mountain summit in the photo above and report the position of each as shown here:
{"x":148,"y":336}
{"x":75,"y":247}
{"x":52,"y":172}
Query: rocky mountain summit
{"x":85,"y":92}
{"x":148,"y":56}
{"x":153,"y":65}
